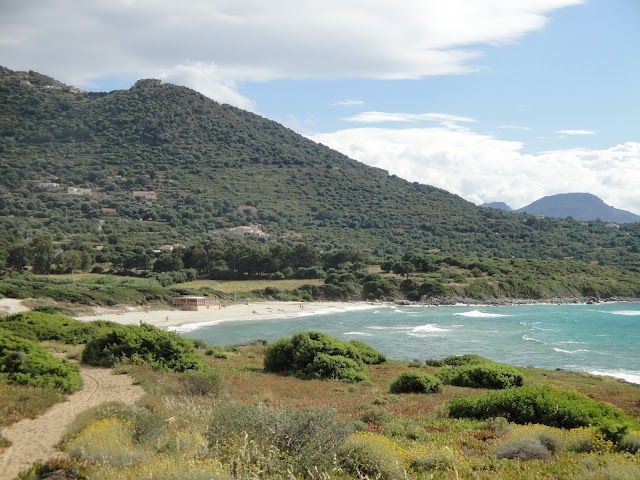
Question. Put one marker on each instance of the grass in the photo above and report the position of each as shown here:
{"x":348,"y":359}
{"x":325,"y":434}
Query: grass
{"x":399,"y":436}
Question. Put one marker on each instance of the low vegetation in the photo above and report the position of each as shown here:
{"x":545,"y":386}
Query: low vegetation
{"x":230,"y":418}
{"x":26,"y":363}
{"x":317,"y":355}
{"x":546,"y":405}
{"x":485,"y":374}
{"x":143,"y":344}
{"x":416,"y":382}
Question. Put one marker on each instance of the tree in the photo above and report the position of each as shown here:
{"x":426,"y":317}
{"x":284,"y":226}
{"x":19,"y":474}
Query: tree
{"x":18,"y":257}
{"x":403,"y":268}
{"x":42,"y":254}
{"x":168,"y":262}
{"x":70,"y":261}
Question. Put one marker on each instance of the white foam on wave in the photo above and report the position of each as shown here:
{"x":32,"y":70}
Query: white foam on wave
{"x":362,"y":334}
{"x":330,"y":310}
{"x":626,"y":375}
{"x":625,"y":312}
{"x":571,"y":342}
{"x":190,"y":327}
{"x":530,"y":339}
{"x":429,"y":328}
{"x":479,"y":314}
{"x":570,"y":352}
{"x":397,"y":327}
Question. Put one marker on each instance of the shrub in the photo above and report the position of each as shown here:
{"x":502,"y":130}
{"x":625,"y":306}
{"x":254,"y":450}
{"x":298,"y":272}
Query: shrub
{"x":59,"y":328}
{"x":440,"y":459}
{"x":317,"y":355}
{"x":368,"y":354}
{"x":307,"y":439}
{"x":631,"y":442}
{"x":335,"y":367}
{"x":460,"y":360}
{"x":26,"y":363}
{"x":416,"y":382}
{"x":199,"y":383}
{"x":528,"y":443}
{"x":143,"y":344}
{"x":482,"y":375}
{"x":545,"y":405}
{"x":367,"y":455}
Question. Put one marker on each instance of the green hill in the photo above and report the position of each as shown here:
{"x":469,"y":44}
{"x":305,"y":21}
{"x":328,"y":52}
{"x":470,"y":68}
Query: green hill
{"x":214,"y":166}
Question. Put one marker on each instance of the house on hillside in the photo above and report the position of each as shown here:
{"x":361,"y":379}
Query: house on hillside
{"x":109,"y":212}
{"x":243,"y":231}
{"x":48,"y":185}
{"x":248,"y":231}
{"x":196,"y":303}
{"x":78,"y":191}
{"x":149,"y":195}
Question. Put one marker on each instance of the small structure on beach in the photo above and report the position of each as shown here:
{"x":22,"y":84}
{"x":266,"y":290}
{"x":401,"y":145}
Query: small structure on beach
{"x":196,"y":303}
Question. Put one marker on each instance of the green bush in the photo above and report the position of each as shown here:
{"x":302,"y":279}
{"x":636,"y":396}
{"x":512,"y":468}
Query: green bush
{"x":368,"y":354}
{"x":27,"y":363}
{"x":59,"y":328}
{"x":143,"y":344}
{"x":482,"y":375}
{"x":335,"y":367}
{"x":545,"y":405}
{"x":461,"y":360}
{"x":317,"y":355}
{"x":416,"y":382}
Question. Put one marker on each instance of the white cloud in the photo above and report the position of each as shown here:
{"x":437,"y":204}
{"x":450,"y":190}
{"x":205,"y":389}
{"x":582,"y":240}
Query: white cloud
{"x":483,"y":168}
{"x":216,"y":44}
{"x":210,"y":81}
{"x":577,"y":132}
{"x":381,"y":117}
{"x":347,"y":103}
{"x":514,"y":127}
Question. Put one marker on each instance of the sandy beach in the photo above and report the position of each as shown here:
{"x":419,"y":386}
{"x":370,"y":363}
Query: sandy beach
{"x":182,"y":320}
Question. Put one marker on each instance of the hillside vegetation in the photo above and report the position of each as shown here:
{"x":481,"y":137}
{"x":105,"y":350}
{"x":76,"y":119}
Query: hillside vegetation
{"x":246,"y":414}
{"x":214,"y":166}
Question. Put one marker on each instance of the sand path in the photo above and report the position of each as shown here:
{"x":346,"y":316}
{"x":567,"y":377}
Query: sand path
{"x":35,"y":439}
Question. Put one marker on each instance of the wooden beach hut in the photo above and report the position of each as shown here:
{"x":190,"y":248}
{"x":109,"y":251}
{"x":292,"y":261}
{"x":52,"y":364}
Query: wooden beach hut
{"x":196,"y":303}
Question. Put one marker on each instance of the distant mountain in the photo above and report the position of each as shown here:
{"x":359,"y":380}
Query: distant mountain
{"x":579,"y":206}
{"x":498,"y":206}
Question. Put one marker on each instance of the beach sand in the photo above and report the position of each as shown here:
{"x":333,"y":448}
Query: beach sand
{"x":171,"y":318}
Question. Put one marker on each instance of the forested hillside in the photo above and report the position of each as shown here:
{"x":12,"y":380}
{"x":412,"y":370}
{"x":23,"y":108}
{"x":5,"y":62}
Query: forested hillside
{"x":160,"y":164}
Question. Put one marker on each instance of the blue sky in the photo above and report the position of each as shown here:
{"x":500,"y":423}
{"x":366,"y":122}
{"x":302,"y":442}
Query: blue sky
{"x":491,"y":100}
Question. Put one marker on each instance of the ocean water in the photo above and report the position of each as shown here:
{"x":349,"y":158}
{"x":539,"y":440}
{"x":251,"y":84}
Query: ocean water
{"x":603,"y":338}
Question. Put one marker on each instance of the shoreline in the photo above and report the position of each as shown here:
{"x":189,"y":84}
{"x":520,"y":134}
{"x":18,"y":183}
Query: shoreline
{"x":187,"y":320}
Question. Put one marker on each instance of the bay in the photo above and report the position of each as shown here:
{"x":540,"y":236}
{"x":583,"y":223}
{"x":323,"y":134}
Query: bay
{"x":602,"y":338}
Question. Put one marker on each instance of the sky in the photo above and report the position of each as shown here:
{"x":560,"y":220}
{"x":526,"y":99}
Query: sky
{"x":493,"y":100}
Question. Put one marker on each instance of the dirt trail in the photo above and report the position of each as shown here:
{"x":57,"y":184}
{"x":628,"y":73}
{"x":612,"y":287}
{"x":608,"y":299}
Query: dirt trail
{"x":34,"y":440}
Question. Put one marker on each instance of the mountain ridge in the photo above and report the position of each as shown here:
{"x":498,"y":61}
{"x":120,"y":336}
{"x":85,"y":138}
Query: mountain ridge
{"x":206,"y":163}
{"x":580,"y":206}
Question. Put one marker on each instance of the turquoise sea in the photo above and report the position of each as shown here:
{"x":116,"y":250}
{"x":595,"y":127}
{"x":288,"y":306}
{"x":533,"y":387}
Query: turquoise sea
{"x":603,"y":338}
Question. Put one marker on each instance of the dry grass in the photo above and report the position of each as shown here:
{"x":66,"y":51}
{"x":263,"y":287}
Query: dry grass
{"x":402,"y":436}
{"x":19,"y":401}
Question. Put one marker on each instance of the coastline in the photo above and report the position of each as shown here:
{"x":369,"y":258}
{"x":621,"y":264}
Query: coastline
{"x":185,"y":320}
